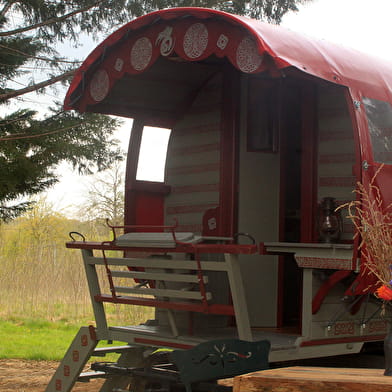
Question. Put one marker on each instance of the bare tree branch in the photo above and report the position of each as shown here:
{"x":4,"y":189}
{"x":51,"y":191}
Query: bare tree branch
{"x":37,"y":86}
{"x":49,"y":21}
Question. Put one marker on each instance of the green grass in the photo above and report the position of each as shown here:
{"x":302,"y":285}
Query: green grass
{"x":36,"y":339}
{"x":35,"y":336}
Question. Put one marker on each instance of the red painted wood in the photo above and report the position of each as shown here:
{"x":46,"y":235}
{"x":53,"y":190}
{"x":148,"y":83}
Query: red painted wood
{"x":195,"y":149}
{"x":193,"y":169}
{"x":144,"y":200}
{"x":199,"y":129}
{"x":227,"y":310}
{"x":210,"y":225}
{"x":130,"y":176}
{"x":313,"y":57}
{"x":195,"y":188}
{"x":149,"y":210}
{"x":337,"y":158}
{"x":348,"y":182}
{"x":357,"y":168}
{"x":190,"y":228}
{"x":188,"y":209}
{"x":228,"y":204}
{"x":337,"y":134}
{"x":320,"y":342}
{"x":282,"y":209}
{"x":151,"y":187}
{"x":200,"y":248}
{"x":326,"y":287}
{"x":308,"y":163}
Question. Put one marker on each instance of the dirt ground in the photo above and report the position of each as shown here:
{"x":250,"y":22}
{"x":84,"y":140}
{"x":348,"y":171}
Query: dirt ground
{"x":17,"y":375}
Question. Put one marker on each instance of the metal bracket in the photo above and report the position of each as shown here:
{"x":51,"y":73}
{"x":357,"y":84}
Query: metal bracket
{"x":365,"y":165}
{"x":357,"y":104}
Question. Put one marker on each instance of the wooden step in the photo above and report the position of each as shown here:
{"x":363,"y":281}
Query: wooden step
{"x":102,"y":351}
{"x":314,"y":379}
{"x":87,"y":376}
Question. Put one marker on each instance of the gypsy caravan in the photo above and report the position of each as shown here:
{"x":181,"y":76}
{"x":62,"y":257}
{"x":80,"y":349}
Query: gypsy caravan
{"x":269,"y":132}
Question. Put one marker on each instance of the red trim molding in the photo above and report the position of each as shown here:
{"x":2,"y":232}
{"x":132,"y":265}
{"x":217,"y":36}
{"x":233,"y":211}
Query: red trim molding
{"x":151,"y":187}
{"x":228,"y":202}
{"x":184,"y":306}
{"x":358,"y":339}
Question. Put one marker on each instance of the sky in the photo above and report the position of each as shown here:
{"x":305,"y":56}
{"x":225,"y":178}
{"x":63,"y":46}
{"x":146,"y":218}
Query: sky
{"x":364,"y":25}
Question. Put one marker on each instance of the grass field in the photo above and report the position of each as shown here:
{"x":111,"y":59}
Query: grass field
{"x":44,"y":298}
{"x":40,"y":339}
{"x":39,"y":336}
{"x":35,"y":339}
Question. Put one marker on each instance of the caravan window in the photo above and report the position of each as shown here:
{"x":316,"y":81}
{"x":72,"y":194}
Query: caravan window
{"x":152,"y":155}
{"x":379,"y":116}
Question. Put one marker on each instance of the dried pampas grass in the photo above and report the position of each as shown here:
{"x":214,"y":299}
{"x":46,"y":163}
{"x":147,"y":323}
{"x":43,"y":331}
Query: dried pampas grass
{"x":373,"y":224}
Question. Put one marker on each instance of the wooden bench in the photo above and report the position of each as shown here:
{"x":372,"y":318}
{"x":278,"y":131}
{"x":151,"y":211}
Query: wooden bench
{"x":174,"y":284}
{"x":162,"y":283}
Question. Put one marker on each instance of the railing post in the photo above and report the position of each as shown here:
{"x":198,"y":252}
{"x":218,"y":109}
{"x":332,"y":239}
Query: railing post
{"x":94,"y":289}
{"x":238,"y":296}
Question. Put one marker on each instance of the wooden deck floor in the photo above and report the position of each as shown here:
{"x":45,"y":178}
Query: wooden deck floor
{"x":314,"y":379}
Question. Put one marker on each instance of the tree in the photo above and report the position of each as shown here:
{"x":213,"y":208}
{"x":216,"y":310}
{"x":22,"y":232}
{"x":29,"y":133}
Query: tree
{"x":269,"y":10}
{"x":27,"y":162}
{"x":105,"y":196}
{"x":31,"y":147}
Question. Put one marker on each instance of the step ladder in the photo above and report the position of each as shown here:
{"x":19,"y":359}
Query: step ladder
{"x":82,"y":348}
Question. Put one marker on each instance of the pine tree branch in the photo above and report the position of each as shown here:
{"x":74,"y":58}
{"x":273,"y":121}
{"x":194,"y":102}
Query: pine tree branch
{"x":49,"y":21}
{"x":47,"y":59}
{"x":35,"y":87}
{"x":7,"y":121}
{"x":34,"y":136}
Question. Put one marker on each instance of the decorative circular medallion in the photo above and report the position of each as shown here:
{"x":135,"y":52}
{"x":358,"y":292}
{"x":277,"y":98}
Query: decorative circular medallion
{"x":195,"y":40}
{"x":141,"y":53}
{"x":99,"y":85}
{"x":222,"y":41}
{"x":247,"y":56}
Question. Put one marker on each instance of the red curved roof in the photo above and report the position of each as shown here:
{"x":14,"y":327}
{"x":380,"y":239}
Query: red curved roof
{"x":371,"y":77}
